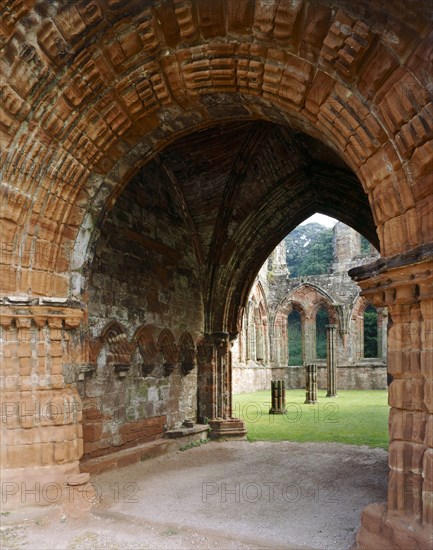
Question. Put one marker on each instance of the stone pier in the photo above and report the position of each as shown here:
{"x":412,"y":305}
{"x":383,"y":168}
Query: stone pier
{"x":331,"y":360}
{"x":404,"y":284}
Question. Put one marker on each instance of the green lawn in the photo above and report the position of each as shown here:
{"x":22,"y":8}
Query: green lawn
{"x":355,"y":417}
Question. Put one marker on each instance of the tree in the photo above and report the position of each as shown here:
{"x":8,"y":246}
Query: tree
{"x":365,"y":245}
{"x":309,"y":250}
{"x":370,"y":332}
{"x":294,"y":338}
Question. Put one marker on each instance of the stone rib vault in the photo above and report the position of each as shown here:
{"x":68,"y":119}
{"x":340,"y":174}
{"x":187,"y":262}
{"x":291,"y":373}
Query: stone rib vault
{"x":153,"y":155}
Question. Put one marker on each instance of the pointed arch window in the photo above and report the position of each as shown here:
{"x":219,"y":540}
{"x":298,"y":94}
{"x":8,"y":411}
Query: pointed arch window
{"x":370,"y":332}
{"x":322,"y":319}
{"x":294,"y":336}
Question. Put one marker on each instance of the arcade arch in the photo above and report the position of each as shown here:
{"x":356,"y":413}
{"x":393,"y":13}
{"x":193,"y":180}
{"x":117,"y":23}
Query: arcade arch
{"x":314,"y":99}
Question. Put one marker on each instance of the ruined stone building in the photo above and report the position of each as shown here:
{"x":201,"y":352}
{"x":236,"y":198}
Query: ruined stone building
{"x":153,"y":155}
{"x":261,"y":351}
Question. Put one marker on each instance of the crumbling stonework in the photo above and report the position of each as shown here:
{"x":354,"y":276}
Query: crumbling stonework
{"x":275,"y":294}
{"x":253,"y":115}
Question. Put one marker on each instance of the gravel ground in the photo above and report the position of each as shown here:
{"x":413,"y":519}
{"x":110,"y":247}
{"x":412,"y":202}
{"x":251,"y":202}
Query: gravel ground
{"x":220,"y":495}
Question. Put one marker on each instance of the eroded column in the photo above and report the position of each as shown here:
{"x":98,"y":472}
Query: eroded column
{"x":215,"y":387}
{"x":331,"y":360}
{"x":311,"y":383}
{"x":405,"y":285}
{"x":309,"y":337}
{"x":42,"y":437}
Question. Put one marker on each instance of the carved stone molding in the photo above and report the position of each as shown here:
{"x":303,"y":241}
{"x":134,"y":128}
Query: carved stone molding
{"x":397,"y":280}
{"x":121,"y":369}
{"x":169,"y":368}
{"x":187,"y":367}
{"x":146,"y":370}
{"x":86,"y":369}
{"x":54,"y":316}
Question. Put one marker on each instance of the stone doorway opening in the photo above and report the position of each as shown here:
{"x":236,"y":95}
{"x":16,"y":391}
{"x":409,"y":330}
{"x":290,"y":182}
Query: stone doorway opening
{"x":276,"y":107}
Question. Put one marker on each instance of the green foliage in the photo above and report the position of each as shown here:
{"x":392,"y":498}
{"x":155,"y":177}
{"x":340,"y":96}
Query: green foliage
{"x":357,"y":417}
{"x":370,"y":332}
{"x":365,"y":245}
{"x":309,"y":250}
{"x":295,"y":338}
{"x":193,"y":444}
{"x":322,"y":320}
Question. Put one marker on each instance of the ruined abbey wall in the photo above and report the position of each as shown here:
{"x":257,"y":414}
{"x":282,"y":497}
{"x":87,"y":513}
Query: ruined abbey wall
{"x":144,"y":279}
{"x":278,"y":294}
{"x":259,"y":113}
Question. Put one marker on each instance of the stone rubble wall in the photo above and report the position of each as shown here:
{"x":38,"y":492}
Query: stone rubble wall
{"x":258,"y":377}
{"x":146,"y":280}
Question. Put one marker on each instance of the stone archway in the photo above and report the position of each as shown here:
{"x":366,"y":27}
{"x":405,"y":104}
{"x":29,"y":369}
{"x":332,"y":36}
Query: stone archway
{"x":97,"y":95}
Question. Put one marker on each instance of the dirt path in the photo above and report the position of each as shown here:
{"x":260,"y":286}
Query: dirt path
{"x":222,"y":495}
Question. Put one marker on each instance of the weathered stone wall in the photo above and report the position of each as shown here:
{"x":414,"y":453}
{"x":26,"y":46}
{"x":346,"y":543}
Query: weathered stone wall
{"x":144,"y":269}
{"x":146,"y":279}
{"x":372,"y":376}
{"x":251,"y":378}
{"x":356,"y":377}
{"x":92,"y":91}
{"x":279,"y":294}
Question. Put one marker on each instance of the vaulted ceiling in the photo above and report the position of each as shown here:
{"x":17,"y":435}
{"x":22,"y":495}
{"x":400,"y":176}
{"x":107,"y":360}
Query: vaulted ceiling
{"x":242,"y":186}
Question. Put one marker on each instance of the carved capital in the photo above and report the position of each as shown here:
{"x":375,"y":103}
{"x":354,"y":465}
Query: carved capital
{"x":169,"y":368}
{"x":399,"y":280}
{"x":86,"y":369}
{"x":57,"y":317}
{"x":220,"y":339}
{"x":121,"y":369}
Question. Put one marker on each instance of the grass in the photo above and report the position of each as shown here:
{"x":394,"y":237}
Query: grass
{"x":356,"y":417}
{"x":193,"y":444}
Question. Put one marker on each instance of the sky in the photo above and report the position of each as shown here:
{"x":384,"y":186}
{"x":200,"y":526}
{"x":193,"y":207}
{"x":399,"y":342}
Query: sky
{"x":321,"y":218}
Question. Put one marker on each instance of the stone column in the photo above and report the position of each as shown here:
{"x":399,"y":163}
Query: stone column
{"x":331,"y":360}
{"x":382,"y":322}
{"x":343,"y":311}
{"x":278,"y":397}
{"x":309,"y":343}
{"x":311,"y":383}
{"x":42,"y":436}
{"x":252,"y":341}
{"x":215,"y":387}
{"x":404,"y":284}
{"x":284,"y":348}
{"x":206,"y":380}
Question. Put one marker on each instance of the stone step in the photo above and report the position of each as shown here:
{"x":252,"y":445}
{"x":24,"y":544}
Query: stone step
{"x":232,"y":428}
{"x":172,"y":441}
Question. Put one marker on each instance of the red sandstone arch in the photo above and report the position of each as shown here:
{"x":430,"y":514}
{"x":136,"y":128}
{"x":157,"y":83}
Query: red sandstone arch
{"x":328,"y":306}
{"x":359,"y":306}
{"x":307,"y":298}
{"x":77,"y":130}
{"x":114,"y":335}
{"x":167,"y":346}
{"x":92,"y":92}
{"x":187,"y":353}
{"x":147,"y":347}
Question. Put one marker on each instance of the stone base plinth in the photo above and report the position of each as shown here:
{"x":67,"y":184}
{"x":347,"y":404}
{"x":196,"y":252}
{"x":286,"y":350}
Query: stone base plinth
{"x":390,"y":530}
{"x":60,"y":485}
{"x":198,"y":432}
{"x":232,"y":428}
{"x":173,"y":441}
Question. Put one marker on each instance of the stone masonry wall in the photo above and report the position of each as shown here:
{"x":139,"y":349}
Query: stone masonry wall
{"x":339,"y":295}
{"x":368,"y":377}
{"x":258,"y":377}
{"x":145,"y":280}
